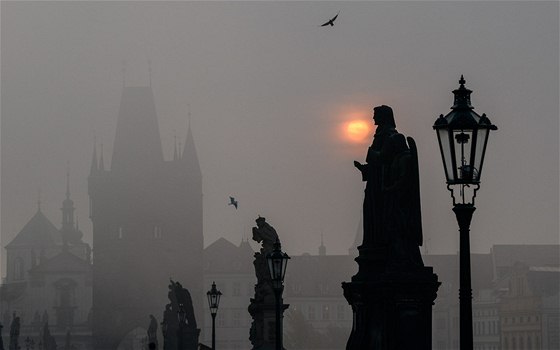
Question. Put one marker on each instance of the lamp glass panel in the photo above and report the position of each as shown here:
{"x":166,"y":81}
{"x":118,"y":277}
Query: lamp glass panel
{"x":444,"y":145}
{"x":285,"y":265}
{"x":278,"y":269}
{"x":480,"y":149}
{"x":214,"y":310}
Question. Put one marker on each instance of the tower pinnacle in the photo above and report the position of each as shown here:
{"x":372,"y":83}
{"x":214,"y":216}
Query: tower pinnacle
{"x":39,"y":199}
{"x":322,"y":248}
{"x":67,"y":180}
{"x":101,"y":162}
{"x":93,"y":168}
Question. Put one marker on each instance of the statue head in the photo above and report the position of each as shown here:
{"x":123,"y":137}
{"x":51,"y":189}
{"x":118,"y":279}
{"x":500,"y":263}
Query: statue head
{"x":383,"y":115}
{"x":260,"y":221}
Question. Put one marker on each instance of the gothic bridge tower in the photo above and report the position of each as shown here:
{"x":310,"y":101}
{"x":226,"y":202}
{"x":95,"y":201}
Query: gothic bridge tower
{"x":147,"y":223}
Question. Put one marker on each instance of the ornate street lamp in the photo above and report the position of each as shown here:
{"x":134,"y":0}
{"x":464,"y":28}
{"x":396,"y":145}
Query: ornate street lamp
{"x":277,"y":263}
{"x":213,"y":296}
{"x":462,"y":137}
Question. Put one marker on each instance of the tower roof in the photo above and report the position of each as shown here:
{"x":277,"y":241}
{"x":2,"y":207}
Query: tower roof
{"x":190,"y":156}
{"x":137,"y":146}
{"x":38,"y":231}
{"x":224,"y":256}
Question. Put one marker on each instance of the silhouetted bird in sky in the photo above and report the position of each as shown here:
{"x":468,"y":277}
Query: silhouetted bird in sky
{"x":330,"y":21}
{"x":233,"y":202}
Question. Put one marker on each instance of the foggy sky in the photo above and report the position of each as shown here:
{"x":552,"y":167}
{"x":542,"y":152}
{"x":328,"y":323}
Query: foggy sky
{"x":269,"y":90}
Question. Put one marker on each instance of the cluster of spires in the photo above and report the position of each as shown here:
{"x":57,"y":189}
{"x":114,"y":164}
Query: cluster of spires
{"x":180,"y":152}
{"x":97,"y":165}
{"x":70,"y":230}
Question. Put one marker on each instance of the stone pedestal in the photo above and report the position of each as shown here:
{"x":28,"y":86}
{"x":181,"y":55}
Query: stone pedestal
{"x":392,"y":309}
{"x":188,"y":340}
{"x":263,"y":327}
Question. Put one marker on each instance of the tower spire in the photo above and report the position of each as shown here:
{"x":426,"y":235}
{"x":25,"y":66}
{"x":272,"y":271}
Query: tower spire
{"x":67,"y":206}
{"x":322,"y":248}
{"x":93,"y":168}
{"x":189,"y":155}
{"x":189,"y":115}
{"x":101,"y":162}
{"x":39,"y":199}
{"x":175,"y":155}
{"x":67,"y":180}
{"x":150,"y":72}
{"x":137,"y":146}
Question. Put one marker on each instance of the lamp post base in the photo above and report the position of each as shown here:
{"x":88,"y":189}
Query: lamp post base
{"x":392,"y":310}
{"x":464,"y":213}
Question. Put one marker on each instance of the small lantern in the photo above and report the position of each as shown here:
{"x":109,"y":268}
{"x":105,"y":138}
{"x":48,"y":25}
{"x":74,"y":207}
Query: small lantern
{"x":462,"y":136}
{"x":213,"y":296}
{"x":277,"y":263}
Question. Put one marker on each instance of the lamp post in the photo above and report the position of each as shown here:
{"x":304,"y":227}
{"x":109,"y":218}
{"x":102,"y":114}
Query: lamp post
{"x":182,"y":315}
{"x":277,"y":263}
{"x":213,"y":296}
{"x":462,"y":137}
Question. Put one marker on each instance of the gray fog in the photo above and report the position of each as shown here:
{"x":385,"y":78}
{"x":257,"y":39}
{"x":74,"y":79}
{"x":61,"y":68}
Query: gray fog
{"x":270,"y":93}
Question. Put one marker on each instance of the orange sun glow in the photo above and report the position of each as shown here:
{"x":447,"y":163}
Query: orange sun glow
{"x":357,"y":130}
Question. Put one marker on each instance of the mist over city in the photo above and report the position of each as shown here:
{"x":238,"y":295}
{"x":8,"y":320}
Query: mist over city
{"x":146,"y":146}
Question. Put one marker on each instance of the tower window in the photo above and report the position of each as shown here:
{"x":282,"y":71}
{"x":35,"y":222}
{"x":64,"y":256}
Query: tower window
{"x":120,"y":232}
{"x":311,"y":312}
{"x":157,"y":231}
{"x":326,"y":314}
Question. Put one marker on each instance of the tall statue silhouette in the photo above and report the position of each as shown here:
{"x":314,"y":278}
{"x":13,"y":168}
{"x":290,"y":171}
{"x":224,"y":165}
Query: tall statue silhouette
{"x":372,"y":173}
{"x":393,"y":292}
{"x":391,"y":209}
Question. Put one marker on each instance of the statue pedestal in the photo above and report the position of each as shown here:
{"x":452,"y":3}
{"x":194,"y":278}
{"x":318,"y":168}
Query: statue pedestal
{"x":263,"y":328}
{"x":392,"y":309}
{"x":188,"y":340}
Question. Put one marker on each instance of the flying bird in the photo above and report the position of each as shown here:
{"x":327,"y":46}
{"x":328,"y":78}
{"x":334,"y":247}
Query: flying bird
{"x":233,"y":202}
{"x":330,"y":21}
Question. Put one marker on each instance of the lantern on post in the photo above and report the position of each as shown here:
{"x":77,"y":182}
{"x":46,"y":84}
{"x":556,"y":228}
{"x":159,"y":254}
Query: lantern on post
{"x":462,"y":137}
{"x":277,"y":263}
{"x":213,"y":296}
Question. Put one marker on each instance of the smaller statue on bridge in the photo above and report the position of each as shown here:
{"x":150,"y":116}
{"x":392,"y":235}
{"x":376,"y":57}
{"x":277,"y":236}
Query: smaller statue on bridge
{"x":174,"y":332}
{"x":152,"y":331}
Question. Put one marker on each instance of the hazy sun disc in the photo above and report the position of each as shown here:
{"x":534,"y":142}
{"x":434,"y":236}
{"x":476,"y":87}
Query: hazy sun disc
{"x":357,"y":130}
